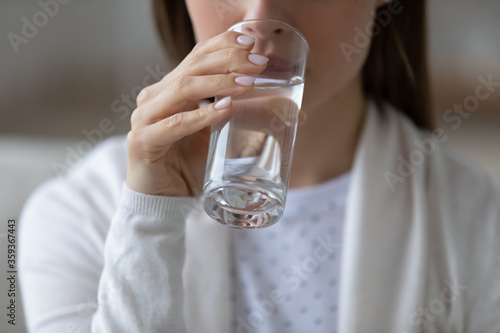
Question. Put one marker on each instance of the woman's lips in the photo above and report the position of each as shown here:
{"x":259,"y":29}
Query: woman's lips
{"x":279,"y":66}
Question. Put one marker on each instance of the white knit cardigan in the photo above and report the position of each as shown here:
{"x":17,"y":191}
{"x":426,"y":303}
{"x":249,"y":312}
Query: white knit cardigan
{"x":421,"y":246}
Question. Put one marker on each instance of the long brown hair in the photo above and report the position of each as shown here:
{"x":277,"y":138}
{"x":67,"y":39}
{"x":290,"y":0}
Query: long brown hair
{"x":395,"y":70}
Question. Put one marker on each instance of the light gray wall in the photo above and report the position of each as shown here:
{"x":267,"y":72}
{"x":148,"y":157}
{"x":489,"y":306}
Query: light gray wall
{"x":62,"y":82}
{"x":65,"y":79}
{"x":464,"y":42}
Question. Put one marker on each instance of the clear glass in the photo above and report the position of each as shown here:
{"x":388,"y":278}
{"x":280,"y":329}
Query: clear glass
{"x":251,"y":151}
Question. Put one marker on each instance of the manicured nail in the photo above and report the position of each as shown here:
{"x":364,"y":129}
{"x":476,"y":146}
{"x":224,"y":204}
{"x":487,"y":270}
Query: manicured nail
{"x":258,"y":59}
{"x":245,"y":80}
{"x":223,"y":103}
{"x":245,"y":40}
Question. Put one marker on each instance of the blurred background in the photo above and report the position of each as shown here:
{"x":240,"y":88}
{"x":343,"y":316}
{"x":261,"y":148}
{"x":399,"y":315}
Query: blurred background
{"x":87,"y":61}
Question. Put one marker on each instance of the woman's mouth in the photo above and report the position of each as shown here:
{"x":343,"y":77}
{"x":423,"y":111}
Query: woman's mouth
{"x":279,"y":67}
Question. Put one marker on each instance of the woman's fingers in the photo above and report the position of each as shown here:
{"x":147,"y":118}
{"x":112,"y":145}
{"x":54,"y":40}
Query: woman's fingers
{"x":186,"y":91}
{"x":161,"y":135}
{"x":229,"y":60}
{"x":227,"y":39}
{"x":226,"y":53}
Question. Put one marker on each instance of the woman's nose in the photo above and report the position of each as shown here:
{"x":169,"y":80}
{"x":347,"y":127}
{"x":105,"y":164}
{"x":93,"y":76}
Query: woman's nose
{"x":279,"y":10}
{"x":263,"y":29}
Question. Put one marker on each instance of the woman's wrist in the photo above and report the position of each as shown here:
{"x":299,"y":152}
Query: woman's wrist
{"x":156,"y":205}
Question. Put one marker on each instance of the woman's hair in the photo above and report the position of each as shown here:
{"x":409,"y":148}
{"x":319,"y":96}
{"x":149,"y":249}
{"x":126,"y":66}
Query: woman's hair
{"x":395,"y":70}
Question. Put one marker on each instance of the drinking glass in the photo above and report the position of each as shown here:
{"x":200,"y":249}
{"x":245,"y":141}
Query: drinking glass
{"x":251,"y":150}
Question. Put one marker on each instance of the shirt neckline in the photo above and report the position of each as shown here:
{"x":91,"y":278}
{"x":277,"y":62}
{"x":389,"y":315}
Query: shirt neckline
{"x":333,"y":184}
{"x":318,"y":198}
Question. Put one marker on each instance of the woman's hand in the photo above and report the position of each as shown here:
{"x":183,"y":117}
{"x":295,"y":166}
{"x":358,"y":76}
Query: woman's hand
{"x":170,"y":133}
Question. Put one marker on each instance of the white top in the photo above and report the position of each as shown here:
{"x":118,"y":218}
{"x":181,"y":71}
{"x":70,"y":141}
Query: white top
{"x":285,"y":276}
{"x":420,"y":250}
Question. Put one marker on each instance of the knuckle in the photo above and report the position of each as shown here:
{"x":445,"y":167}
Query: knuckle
{"x":231,"y":35}
{"x":180,"y":84}
{"x":143,"y":96}
{"x":137,"y":116}
{"x":135,"y":140}
{"x":198,"y":46}
{"x":237,"y":60}
{"x":205,"y":112}
{"x":131,"y":137}
{"x":220,"y":80}
{"x":191,"y":61}
{"x":175,"y":121}
{"x":232,"y":54}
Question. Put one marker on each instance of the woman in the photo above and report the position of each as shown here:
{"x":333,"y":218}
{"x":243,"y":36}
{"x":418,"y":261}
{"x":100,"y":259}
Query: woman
{"x":384,"y":229}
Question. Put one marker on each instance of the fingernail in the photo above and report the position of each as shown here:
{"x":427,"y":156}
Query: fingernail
{"x":223,"y":103}
{"x":245,"y":80}
{"x":258,"y":59}
{"x":245,"y":40}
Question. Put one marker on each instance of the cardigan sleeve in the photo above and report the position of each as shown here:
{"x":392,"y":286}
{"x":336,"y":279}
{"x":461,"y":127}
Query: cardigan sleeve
{"x":143,"y":261}
{"x":79,"y":273}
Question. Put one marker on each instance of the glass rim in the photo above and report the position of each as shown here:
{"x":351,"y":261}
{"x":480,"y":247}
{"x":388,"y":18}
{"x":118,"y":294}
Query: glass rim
{"x":275,"y":21}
